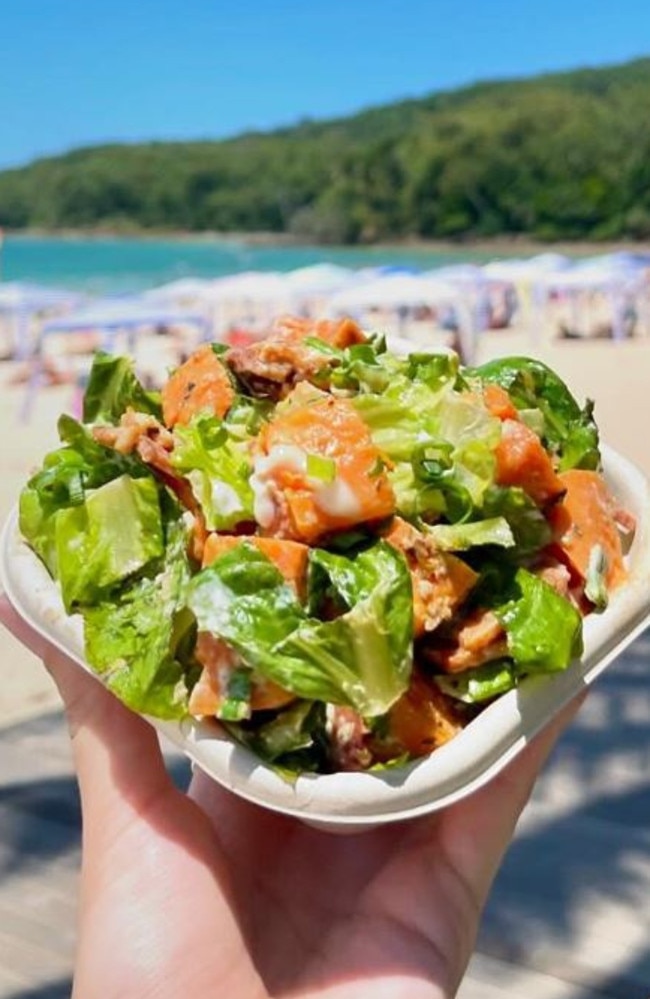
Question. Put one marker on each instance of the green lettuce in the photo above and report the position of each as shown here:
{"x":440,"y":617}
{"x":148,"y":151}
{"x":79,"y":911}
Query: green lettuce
{"x":63,"y":480}
{"x":116,"y":532}
{"x":218,"y":470}
{"x":134,"y":639}
{"x":460,"y":537}
{"x":362,"y":658}
{"x":112,"y":388}
{"x":528,"y":525}
{"x":543,"y":628}
{"x":292,"y":739}
{"x":483,"y":683}
{"x":569,"y":430}
{"x":440,"y":441}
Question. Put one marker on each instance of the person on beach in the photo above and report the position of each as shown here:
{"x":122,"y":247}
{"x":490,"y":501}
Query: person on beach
{"x":203,"y":894}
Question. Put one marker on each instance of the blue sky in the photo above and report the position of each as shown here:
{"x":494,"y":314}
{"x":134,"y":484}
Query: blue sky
{"x":76,"y":73}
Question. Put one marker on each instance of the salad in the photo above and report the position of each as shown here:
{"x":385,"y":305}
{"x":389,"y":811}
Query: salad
{"x":339,"y":554}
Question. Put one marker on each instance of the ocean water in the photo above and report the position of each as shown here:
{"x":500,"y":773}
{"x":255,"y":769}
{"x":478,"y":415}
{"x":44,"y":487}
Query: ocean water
{"x":119,"y":265}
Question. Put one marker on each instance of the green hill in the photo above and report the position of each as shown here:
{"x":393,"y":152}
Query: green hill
{"x":559,"y":156}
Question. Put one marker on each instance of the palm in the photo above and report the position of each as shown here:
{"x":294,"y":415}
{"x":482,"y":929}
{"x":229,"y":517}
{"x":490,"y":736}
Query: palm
{"x":205,"y":894}
{"x":323,"y":909}
{"x":233,"y":892}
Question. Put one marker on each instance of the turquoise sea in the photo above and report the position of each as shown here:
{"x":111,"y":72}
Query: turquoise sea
{"x":118,"y":265}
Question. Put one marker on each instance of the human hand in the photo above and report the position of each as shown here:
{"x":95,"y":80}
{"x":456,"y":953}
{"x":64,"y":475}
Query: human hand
{"x":203,"y":894}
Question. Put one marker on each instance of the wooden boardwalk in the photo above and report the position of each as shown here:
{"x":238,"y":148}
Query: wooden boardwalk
{"x":569,"y":917}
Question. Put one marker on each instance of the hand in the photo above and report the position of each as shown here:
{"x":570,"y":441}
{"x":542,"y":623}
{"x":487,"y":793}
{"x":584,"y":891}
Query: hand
{"x":202,"y":894}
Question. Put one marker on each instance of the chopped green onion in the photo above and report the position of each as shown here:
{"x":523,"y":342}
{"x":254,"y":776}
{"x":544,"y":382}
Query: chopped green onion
{"x":321,"y":468}
{"x":595,"y":585}
{"x":237,"y":703}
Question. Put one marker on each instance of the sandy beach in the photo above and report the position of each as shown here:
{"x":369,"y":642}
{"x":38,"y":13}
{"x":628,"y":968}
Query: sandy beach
{"x":616,"y":375}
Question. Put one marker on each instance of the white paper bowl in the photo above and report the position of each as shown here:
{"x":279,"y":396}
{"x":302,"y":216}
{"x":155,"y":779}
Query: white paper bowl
{"x":355,"y":801}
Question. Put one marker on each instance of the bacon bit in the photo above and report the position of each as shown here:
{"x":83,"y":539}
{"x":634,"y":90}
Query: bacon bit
{"x":199,"y":536}
{"x":157,"y":457}
{"x":557,"y":575}
{"x":441,"y":581}
{"x":272,"y":367}
{"x":348,"y":737}
{"x":133,"y":427}
{"x":479,"y":639}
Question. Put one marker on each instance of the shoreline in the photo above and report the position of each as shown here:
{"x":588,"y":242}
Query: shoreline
{"x":498,"y":245}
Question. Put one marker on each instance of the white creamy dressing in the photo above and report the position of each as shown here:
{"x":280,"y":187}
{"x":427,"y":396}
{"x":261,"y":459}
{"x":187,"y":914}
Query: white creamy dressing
{"x":335,"y":498}
{"x":225,"y":499}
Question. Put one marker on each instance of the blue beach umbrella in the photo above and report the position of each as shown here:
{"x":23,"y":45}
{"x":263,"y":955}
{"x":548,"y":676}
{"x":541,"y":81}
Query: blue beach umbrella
{"x":128,"y":313}
{"x":22,"y":302}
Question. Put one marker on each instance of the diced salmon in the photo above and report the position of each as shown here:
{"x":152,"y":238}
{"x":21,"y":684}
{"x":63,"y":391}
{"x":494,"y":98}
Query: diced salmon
{"x":423,"y":718}
{"x":218,"y":662}
{"x":211,"y":689}
{"x":498,"y":402}
{"x":290,"y":557}
{"x":522,"y":461}
{"x":306,"y":508}
{"x":441,"y":580}
{"x":217,"y":659}
{"x":586,"y":517}
{"x":339,"y":333}
{"x":478,"y":639}
{"x":200,"y":384}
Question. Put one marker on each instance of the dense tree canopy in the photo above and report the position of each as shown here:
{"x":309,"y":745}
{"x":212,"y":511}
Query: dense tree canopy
{"x":563,"y":156}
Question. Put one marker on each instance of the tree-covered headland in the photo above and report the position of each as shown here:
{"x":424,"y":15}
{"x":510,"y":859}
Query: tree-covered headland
{"x":555,"y":157}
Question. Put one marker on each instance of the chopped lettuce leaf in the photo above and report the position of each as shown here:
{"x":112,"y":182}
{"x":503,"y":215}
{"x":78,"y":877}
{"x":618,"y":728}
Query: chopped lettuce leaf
{"x":440,"y":441}
{"x":63,"y":481}
{"x":543,"y":628}
{"x":133,"y":637}
{"x":460,"y":537}
{"x":362,"y":658}
{"x":115,"y":533}
{"x":528,"y":525}
{"x":218,"y":471}
{"x":112,"y":388}
{"x":290,"y":731}
{"x":483,"y":683}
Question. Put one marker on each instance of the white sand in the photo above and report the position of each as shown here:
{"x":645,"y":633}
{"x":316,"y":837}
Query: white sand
{"x":615,"y":375}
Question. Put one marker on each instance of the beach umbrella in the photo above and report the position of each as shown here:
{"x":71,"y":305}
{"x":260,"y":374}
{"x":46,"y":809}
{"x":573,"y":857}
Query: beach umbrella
{"x":400,"y":292}
{"x":24,"y":301}
{"x":319,"y":278}
{"x":476,"y":288}
{"x":181,"y":292}
{"x":311,"y":287}
{"x":394,"y":290}
{"x":526,"y":269}
{"x":110,"y":315}
{"x":252,"y":298}
{"x":617,"y":279}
